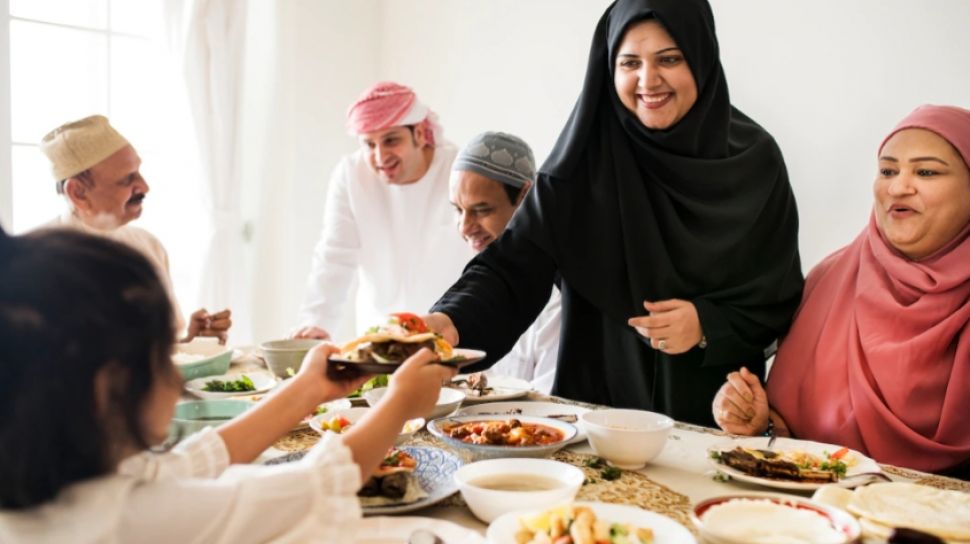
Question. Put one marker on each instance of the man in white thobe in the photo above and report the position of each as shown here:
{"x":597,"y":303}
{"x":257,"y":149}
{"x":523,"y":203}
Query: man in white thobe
{"x":97,"y":172}
{"x":387,"y":222}
{"x":489,"y":180}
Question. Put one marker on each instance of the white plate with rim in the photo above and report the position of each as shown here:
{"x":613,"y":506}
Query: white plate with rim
{"x":665,"y":530}
{"x":531,"y":408}
{"x":262,"y":381}
{"x":396,"y":530}
{"x":503,"y":388}
{"x":862,"y":463}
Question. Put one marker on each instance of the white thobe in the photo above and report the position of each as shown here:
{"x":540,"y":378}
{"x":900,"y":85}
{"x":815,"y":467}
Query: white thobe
{"x":138,"y":239}
{"x":192,"y":495}
{"x":534,"y":355}
{"x":399,"y":241}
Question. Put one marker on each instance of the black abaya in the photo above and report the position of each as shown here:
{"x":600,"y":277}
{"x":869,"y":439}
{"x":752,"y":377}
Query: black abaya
{"x":701,"y":211}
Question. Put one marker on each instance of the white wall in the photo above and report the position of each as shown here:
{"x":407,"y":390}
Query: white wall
{"x":309,"y":60}
{"x":828,"y":78}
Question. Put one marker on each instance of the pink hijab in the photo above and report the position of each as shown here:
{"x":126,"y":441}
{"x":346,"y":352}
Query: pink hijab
{"x":878,"y":358}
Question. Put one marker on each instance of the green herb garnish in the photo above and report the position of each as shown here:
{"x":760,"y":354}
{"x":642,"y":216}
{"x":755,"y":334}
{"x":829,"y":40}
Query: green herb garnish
{"x":230,"y":386}
{"x":595,"y":462}
{"x":611,"y":473}
{"x":377,"y":381}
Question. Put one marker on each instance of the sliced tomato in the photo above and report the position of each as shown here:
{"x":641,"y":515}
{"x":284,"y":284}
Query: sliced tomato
{"x":411,"y":322}
{"x":839,"y":454}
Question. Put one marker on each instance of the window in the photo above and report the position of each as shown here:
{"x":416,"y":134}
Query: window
{"x":74,"y":58}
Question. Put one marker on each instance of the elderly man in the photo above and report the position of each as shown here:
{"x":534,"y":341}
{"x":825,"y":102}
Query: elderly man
{"x":387,"y":221}
{"x":97,"y":171}
{"x":489,"y":180}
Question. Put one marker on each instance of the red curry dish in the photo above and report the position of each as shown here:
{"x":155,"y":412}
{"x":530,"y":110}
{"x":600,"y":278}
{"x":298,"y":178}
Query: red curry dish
{"x":511,"y":432}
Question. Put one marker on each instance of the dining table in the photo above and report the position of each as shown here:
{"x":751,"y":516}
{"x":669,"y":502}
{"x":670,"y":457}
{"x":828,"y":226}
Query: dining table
{"x":681,"y":476}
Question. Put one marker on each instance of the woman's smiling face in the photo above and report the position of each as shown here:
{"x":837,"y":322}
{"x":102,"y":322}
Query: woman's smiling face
{"x":922,"y":192}
{"x":651,"y":76}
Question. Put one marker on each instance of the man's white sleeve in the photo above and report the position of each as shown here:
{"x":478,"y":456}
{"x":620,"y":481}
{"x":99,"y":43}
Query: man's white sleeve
{"x":335,"y":257}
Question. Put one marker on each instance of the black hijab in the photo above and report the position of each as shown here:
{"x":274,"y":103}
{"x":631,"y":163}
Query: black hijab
{"x":702,"y":209}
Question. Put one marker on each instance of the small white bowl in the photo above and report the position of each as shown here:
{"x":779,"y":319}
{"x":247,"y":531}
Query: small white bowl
{"x":449,"y":400}
{"x":353,"y":415}
{"x":628,"y":439}
{"x":488,"y":504}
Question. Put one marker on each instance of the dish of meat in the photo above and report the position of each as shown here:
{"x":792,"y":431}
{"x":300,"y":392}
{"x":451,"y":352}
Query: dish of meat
{"x":789,"y":464}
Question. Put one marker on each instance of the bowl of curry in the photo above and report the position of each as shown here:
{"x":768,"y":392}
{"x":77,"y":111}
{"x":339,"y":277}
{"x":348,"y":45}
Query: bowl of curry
{"x":486,"y":437}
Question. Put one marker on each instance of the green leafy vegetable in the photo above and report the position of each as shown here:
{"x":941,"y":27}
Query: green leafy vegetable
{"x":230,"y":386}
{"x":595,"y":462}
{"x":377,"y":381}
{"x":611,"y":473}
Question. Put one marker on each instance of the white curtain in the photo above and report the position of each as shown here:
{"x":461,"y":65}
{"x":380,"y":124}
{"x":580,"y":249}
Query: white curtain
{"x":207,"y":41}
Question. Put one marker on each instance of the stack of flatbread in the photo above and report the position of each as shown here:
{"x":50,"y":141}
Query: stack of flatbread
{"x":883,"y":507}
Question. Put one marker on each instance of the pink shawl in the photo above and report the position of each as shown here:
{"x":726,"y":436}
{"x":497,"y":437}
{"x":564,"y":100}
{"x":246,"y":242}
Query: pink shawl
{"x":878,"y":357}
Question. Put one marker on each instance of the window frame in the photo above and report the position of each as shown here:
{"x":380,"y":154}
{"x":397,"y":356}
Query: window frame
{"x":7,"y":142}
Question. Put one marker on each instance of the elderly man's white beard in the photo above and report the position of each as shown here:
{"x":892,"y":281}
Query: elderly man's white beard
{"x":99,"y":221}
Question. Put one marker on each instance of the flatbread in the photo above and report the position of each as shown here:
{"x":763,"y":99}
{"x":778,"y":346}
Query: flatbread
{"x":940,"y":512}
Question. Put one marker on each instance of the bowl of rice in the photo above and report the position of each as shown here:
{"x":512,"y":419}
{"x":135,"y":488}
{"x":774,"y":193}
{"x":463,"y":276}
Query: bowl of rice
{"x":200,"y":358}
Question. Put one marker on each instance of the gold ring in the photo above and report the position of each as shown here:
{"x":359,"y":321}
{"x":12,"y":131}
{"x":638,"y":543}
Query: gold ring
{"x":662,"y":345}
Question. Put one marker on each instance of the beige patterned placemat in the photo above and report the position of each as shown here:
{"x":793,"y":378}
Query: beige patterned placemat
{"x":631,"y":488}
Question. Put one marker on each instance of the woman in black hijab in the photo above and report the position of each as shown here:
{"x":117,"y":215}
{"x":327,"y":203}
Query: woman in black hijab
{"x":659,"y":198}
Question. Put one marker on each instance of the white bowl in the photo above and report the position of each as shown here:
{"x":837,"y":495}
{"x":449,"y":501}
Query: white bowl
{"x":353,"y":415}
{"x":628,"y":439}
{"x":284,"y":357}
{"x":484,"y":451}
{"x":488,"y":504}
{"x":449,"y":400}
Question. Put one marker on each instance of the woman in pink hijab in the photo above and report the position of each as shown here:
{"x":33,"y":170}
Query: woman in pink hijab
{"x":878,"y":357}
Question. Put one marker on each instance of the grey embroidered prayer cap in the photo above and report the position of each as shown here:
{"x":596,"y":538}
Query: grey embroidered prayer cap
{"x":498,"y":156}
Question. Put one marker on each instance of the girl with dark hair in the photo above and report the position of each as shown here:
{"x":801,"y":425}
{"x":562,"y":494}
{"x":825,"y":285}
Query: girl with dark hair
{"x":667,"y":214}
{"x":85,"y":350}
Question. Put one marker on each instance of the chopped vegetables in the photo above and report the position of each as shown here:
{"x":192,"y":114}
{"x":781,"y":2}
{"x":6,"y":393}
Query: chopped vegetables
{"x":411,"y":322}
{"x":337,"y":424}
{"x":230,"y":386}
{"x":578,"y":525}
{"x":377,"y":381}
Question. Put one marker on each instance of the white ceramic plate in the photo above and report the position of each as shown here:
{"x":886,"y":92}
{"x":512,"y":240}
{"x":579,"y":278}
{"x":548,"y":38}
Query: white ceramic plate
{"x":753,"y":515}
{"x":353,"y":415}
{"x":503,"y":388}
{"x":665,"y":530}
{"x":261,"y":380}
{"x":862,"y":463}
{"x":435,"y":473}
{"x":539,"y":409}
{"x":396,"y":530}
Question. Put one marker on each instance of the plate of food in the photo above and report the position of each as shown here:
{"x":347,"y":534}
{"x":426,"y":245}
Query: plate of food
{"x":338,"y":421}
{"x":409,"y":478}
{"x":756,"y":518}
{"x":231,"y":385}
{"x":491,"y":437}
{"x":589,"y":522}
{"x":399,"y":530}
{"x":790,"y":463}
{"x":325,"y":408}
{"x":487,"y":387}
{"x":563,"y":412}
{"x":383,"y":348}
